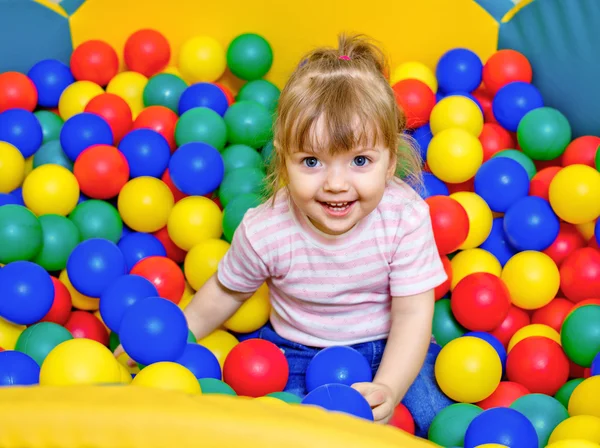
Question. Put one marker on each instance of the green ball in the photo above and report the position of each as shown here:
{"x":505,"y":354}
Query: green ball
{"x":40,"y":339}
{"x":240,"y":181}
{"x":241,"y":156}
{"x":191,"y":338}
{"x":235,"y":211}
{"x":449,"y":426}
{"x":580,"y":334}
{"x":267,"y":152}
{"x":249,"y":123}
{"x":51,"y":125}
{"x":20,"y":234}
{"x":113,"y":341}
{"x":520,"y":157}
{"x":544,"y":133}
{"x":60,"y":237}
{"x":261,"y":91}
{"x":214,"y":386}
{"x":164,"y":89}
{"x":564,"y":393}
{"x":445,"y":326}
{"x":201,"y":124}
{"x":543,"y":411}
{"x":52,"y":153}
{"x":97,"y":219}
{"x":286,"y":397}
{"x":249,"y":56}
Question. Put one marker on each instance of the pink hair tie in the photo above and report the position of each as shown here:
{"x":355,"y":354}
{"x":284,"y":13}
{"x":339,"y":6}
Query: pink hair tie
{"x":344,"y":57}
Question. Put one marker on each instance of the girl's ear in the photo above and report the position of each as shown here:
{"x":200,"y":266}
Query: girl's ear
{"x":391,"y":172}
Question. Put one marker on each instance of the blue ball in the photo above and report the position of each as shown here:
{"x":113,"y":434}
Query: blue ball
{"x":494,"y":342}
{"x":82,"y":131}
{"x":203,"y":94}
{"x":137,"y":245}
{"x":597,"y":231}
{"x":595,"y":367}
{"x":196,"y":168}
{"x":497,"y":243}
{"x":423,"y":136}
{"x":337,"y":365}
{"x":512,"y":102}
{"x":432,"y":186}
{"x":94,"y":265}
{"x":21,"y":128}
{"x":26,"y":292}
{"x":147,"y":153}
{"x":154,"y":330}
{"x":245,"y":336}
{"x":459,"y":70}
{"x":340,"y":398}
{"x":503,"y":426}
{"x":531,"y":224}
{"x":120,"y":295}
{"x":52,"y":153}
{"x":501,"y":182}
{"x":51,"y":77}
{"x":200,"y":361}
{"x":8,"y":199}
{"x":18,"y":369}
{"x":18,"y":193}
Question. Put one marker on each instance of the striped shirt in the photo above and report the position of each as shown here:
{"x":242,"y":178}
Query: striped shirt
{"x":334,"y":290}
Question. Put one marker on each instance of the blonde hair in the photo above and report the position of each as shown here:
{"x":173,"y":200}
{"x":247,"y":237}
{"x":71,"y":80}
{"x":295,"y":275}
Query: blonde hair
{"x":347,"y":89}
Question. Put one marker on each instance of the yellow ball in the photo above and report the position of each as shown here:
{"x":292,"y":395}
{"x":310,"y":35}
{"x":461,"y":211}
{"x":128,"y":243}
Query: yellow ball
{"x":531,"y":330}
{"x":125,"y":377}
{"x":491,"y":445}
{"x":579,"y":427}
{"x":468,"y":369}
{"x":28,"y":166}
{"x":129,"y":86}
{"x":470,"y":261}
{"x":586,"y":229}
{"x":145,"y":204}
{"x":202,"y":260}
{"x":79,"y":361}
{"x":9,"y":334}
{"x":253,"y":314}
{"x":532,"y":278}
{"x":584,"y":399}
{"x":76,"y":97}
{"x":574,"y":194}
{"x":573,"y":443}
{"x":456,"y":111}
{"x":194,"y":219}
{"x":80,"y":301}
{"x":186,"y":297}
{"x":51,"y":189}
{"x":173,"y":70}
{"x":415,"y":70}
{"x":168,"y":376}
{"x":480,"y":218}
{"x":12,"y":167}
{"x":220,"y":343}
{"x":454,"y":155}
{"x":202,"y":59}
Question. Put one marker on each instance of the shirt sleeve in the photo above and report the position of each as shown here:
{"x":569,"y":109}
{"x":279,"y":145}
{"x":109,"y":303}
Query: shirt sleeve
{"x":242,"y":268}
{"x":416,"y":265}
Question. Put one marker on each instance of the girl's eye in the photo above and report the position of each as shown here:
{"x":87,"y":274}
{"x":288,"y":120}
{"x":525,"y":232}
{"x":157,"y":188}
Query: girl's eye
{"x":360,"y":160}
{"x":311,"y":162}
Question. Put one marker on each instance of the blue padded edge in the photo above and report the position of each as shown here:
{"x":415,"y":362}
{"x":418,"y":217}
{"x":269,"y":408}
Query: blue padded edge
{"x":71,"y":6}
{"x":496,"y":8}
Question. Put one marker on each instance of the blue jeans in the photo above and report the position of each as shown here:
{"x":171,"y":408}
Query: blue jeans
{"x":424,"y":399}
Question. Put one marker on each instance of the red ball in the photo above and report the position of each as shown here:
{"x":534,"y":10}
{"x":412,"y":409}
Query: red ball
{"x":485,"y":101}
{"x":513,"y":322}
{"x":164,"y":273}
{"x":584,"y":302}
{"x":441,"y":290}
{"x":540,"y":182}
{"x":17,"y":91}
{"x":255,"y":368}
{"x":580,"y":274}
{"x":480,"y":301}
{"x":468,"y":185}
{"x":504,"y":395}
{"x":177,"y":194}
{"x":61,"y":306}
{"x":553,"y":314}
{"x":147,"y":52}
{"x":174,"y":252}
{"x":227,"y":91}
{"x":115,"y":111}
{"x":495,"y":138}
{"x":503,"y":67}
{"x":402,"y":419}
{"x":416,"y":99}
{"x":449,"y":221}
{"x":96,"y":61}
{"x":582,"y":151}
{"x":568,"y":240}
{"x":83,"y":324}
{"x":160,"y":119}
{"x":101,"y":171}
{"x":539,"y":364}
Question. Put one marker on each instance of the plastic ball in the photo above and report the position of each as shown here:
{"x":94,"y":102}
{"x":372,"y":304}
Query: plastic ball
{"x":544,"y":133}
{"x":76,"y":97}
{"x":494,"y":138}
{"x":203,"y":94}
{"x":513,"y":101}
{"x":580,"y":334}
{"x":497,"y":243}
{"x":580,"y":274}
{"x":200,"y":361}
{"x":17,"y":91}
{"x":79,"y":301}
{"x":95,"y":61}
{"x":201,"y":124}
{"x":51,"y":124}
{"x":422,"y":136}
{"x":137,"y":246}
{"x":533,"y":330}
{"x":415,"y":70}
{"x":220,"y":343}
{"x":12,"y":167}
{"x":553,"y":314}
{"x":260,"y":91}
{"x":480,"y":218}
{"x":575,"y":194}
{"x":468,"y":369}
{"x":402,"y":419}
{"x":456,"y":112}
{"x":235,"y":211}
{"x":459,"y":70}
{"x":59,"y":237}
{"x":582,"y":150}
{"x":202,"y":58}
{"x":416,"y":100}
{"x":83,"y":324}
{"x":580,"y":402}
{"x":79,"y":362}
{"x":194,"y":219}
{"x":52,"y":153}
{"x":253,"y":314}
{"x":577,"y":431}
{"x":82,"y":131}
{"x":249,"y":56}
{"x":565,"y":392}
{"x":470,"y":261}
{"x":147,"y":51}
{"x":61,"y":306}
{"x":202,"y":260}
{"x":450,"y":424}
{"x":101,"y":171}
{"x":337,"y":365}
{"x":51,"y":189}
{"x":454,"y":155}
{"x":165,"y":90}
{"x":145,"y":204}
{"x":18,"y":369}
{"x":21,"y":128}
{"x":530,"y":224}
{"x":544,"y":412}
{"x":97,"y":219}
{"x":130,"y":86}
{"x":240,"y":181}
{"x":505,"y":394}
{"x":115,"y":111}
{"x":165,"y":274}
{"x":248,"y":123}
{"x":506,"y":66}
{"x":40,"y":339}
{"x":339,"y":398}
{"x":501,"y":182}
{"x":193,"y":162}
{"x":213,"y":386}
{"x":520,"y":157}
{"x":504,"y":426}
{"x":20,"y":232}
{"x":160,"y":119}
{"x":147,"y":153}
{"x":445,"y":327}
{"x":540,"y":182}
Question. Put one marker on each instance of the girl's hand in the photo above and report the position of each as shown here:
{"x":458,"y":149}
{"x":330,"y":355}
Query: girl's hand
{"x":119,"y":351}
{"x":380,"y":397}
